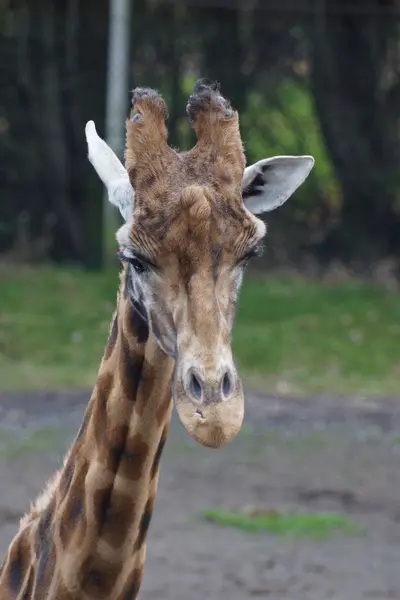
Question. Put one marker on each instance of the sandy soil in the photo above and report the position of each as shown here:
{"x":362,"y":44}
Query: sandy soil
{"x":308,"y":455}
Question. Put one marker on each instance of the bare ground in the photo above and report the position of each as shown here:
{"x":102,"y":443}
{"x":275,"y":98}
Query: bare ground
{"x":305,"y":455}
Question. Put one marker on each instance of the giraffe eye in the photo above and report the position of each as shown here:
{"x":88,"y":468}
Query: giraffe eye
{"x":138,"y":266}
{"x":127,"y":256}
{"x":256,"y":251}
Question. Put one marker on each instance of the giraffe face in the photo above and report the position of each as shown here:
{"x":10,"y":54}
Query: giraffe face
{"x":185,"y":283}
{"x":190,"y":231}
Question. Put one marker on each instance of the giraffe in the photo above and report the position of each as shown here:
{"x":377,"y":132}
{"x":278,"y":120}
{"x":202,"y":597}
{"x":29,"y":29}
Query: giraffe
{"x":190,"y":229}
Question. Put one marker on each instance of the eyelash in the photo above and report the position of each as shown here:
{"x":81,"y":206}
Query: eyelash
{"x":253,"y":253}
{"x":140,"y":267}
{"x":137,"y":264}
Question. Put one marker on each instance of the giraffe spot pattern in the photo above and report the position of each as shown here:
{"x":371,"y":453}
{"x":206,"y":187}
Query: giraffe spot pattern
{"x":99,"y":411}
{"x":112,"y":339}
{"x":123,"y":454}
{"x":15,"y":568}
{"x":14,"y":571}
{"x":44,"y":527}
{"x":66,"y":477}
{"x":133,"y":586}
{"x":98,"y":577}
{"x":46,"y":564}
{"x":28,"y":585}
{"x":138,"y":324}
{"x":72,"y":518}
{"x":133,"y":458}
{"x":131,"y":370}
{"x":114,"y":447}
{"x":131,"y":461}
{"x":44,"y":548}
{"x":119,"y":514}
{"x":101,"y":504}
{"x":84,"y":425}
{"x":144,"y":523}
{"x":157,"y":456}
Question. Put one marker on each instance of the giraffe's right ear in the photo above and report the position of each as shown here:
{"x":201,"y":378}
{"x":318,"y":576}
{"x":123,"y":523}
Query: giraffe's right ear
{"x":111,"y":171}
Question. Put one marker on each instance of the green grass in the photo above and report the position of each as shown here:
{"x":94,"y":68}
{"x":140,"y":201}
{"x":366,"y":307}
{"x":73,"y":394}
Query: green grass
{"x":291,"y":336}
{"x":298,"y":336}
{"x":53,"y":326}
{"x":317,"y":526}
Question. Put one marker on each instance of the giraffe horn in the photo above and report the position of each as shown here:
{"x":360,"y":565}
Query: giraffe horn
{"x":111,"y":171}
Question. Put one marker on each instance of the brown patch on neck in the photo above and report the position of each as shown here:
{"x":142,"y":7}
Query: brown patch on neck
{"x":131,"y":365}
{"x":112,"y":338}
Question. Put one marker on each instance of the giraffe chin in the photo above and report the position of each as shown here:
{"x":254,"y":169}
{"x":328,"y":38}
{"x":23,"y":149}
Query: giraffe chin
{"x":213,"y":425}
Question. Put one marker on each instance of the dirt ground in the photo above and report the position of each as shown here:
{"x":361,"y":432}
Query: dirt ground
{"x":308,"y":455}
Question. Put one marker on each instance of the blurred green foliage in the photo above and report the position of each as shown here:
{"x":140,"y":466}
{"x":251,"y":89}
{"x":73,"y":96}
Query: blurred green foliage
{"x":286,"y":123}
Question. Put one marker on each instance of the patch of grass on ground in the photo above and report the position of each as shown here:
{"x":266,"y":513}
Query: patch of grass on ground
{"x":291,"y":336}
{"x":316,"y":526}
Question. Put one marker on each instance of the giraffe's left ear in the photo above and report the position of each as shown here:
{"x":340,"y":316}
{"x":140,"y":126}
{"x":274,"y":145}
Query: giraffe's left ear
{"x":268,"y":183}
{"x":111,"y":171}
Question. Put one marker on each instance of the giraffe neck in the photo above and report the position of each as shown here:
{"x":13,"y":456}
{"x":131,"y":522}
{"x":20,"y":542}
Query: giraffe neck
{"x":86,"y":537}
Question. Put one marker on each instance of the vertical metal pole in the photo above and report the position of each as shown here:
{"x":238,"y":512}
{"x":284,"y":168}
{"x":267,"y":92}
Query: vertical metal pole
{"x":116,"y":103}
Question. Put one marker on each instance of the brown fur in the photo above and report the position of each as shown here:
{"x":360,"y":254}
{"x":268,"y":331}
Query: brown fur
{"x":85,"y":537}
{"x":95,"y":515}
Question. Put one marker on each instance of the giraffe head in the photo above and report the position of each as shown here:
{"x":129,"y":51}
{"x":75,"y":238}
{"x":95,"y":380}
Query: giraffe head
{"x":190,"y":230}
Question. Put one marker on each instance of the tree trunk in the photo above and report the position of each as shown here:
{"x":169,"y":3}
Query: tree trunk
{"x":358,"y":120}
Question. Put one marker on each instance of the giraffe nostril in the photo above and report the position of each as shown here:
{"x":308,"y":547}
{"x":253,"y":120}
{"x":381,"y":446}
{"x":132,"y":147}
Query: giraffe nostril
{"x":226,"y":384}
{"x":195,"y":386}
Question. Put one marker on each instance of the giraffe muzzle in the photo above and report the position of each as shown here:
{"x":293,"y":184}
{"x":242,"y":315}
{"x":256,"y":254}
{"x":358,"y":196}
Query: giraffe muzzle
{"x":211,"y":408}
{"x":210,"y":391}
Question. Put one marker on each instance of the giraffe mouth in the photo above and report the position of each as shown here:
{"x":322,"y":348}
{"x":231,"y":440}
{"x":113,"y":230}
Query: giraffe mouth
{"x":211,"y":424}
{"x":210,"y":409}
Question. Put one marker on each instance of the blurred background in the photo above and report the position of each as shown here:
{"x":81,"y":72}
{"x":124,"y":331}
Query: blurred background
{"x":318,"y":328}
{"x":308,"y":77}
{"x":316,"y":77}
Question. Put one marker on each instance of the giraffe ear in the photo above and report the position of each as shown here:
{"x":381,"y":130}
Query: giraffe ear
{"x":268,"y":183}
{"x":111,"y":171}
